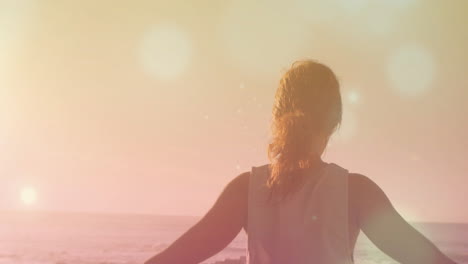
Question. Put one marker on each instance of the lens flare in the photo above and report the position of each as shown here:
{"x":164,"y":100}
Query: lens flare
{"x":28,"y":195}
{"x":165,"y":52}
{"x":411,"y":70}
{"x":353,"y":97}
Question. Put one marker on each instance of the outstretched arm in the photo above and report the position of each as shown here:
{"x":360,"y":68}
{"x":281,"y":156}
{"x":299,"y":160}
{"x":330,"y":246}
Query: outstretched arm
{"x":385,"y":227}
{"x":214,"y":231}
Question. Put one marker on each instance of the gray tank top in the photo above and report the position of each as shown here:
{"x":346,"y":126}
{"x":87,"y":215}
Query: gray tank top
{"x":310,"y":226}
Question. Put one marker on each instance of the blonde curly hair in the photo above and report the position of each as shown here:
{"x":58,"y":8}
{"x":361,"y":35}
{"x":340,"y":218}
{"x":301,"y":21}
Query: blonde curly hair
{"x":306,"y":112}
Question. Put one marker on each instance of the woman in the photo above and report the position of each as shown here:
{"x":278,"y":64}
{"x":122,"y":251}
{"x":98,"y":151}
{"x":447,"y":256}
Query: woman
{"x":299,"y":209}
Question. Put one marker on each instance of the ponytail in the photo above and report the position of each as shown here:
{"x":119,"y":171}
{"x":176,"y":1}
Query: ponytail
{"x":307,"y":110}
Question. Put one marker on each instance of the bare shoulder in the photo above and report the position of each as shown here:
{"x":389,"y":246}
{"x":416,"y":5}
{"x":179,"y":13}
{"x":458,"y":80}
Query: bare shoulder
{"x":240,"y":182}
{"x":233,"y":201}
{"x":362,"y":184}
{"x":236,"y":191}
{"x":367,"y":198}
{"x":364,"y":190}
{"x":363,"y":187}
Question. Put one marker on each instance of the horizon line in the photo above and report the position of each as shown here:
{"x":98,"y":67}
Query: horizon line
{"x":110,"y":213}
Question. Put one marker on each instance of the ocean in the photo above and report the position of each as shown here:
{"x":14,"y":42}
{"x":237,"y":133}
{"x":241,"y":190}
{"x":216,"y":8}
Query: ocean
{"x":85,"y":238}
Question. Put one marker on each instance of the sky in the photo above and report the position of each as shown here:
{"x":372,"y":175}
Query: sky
{"x":154,"y":106}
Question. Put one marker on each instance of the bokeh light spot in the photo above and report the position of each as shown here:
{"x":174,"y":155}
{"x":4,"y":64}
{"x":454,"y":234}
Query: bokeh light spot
{"x":411,"y":70}
{"x":353,"y":97}
{"x":165,"y":52}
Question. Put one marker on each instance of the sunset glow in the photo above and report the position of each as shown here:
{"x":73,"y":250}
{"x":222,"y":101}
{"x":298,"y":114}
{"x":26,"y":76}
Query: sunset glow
{"x":154,"y":106}
{"x":125,"y":123}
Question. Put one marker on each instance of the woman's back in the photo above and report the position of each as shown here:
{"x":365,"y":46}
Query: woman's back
{"x":369,"y":210}
{"x":315,"y":221}
{"x":310,"y":226}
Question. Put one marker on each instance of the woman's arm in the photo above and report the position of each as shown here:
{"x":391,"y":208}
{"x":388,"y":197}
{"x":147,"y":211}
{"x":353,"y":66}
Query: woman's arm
{"x":384,"y":226}
{"x":214,"y":231}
